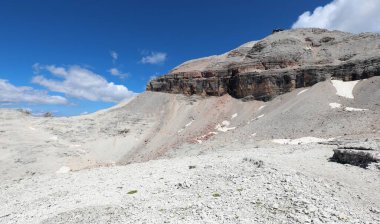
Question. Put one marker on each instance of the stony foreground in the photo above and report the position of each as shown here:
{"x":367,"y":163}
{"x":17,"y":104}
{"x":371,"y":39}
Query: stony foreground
{"x":288,"y":184}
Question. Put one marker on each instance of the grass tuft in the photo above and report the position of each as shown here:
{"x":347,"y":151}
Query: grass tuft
{"x":132,"y":192}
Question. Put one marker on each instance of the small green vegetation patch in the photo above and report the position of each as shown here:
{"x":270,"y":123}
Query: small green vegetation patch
{"x":216,"y":195}
{"x":132,"y":192}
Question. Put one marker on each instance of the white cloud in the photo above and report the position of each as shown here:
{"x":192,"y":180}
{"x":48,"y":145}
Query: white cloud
{"x":345,"y":15}
{"x":154,"y":58}
{"x":117,"y":72}
{"x":152,"y":77}
{"x":10,"y":94}
{"x":114,"y":56}
{"x":82,"y":83}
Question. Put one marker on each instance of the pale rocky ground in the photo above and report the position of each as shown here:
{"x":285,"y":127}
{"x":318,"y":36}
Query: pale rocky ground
{"x":302,"y":46}
{"x":195,"y":160}
{"x":291,"y":185}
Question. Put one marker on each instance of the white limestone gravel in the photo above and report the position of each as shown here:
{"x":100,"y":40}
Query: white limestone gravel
{"x":220,"y":187}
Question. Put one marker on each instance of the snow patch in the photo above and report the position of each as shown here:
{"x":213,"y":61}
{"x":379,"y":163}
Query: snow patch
{"x":301,"y":141}
{"x":74,"y":146}
{"x":225,"y":123}
{"x":234,"y":116}
{"x":258,"y":117}
{"x":63,"y":169}
{"x":354,"y":109}
{"x":54,"y":138}
{"x":344,"y":89}
{"x":302,"y":91}
{"x":188,"y":124}
{"x":335,"y":105}
{"x":253,"y":135}
{"x":224,"y":127}
{"x":338,"y":105}
{"x":262,"y":107}
{"x":206,"y":136}
{"x":31,"y":128}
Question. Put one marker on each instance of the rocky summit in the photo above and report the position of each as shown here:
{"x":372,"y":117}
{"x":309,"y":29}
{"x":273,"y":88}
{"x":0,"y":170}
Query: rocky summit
{"x":279,"y":63}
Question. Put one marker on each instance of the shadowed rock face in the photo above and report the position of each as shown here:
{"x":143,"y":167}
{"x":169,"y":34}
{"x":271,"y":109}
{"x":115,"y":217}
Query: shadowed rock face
{"x":279,"y":63}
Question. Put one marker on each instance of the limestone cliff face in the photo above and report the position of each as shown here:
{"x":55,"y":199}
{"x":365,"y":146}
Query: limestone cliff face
{"x":277,"y":64}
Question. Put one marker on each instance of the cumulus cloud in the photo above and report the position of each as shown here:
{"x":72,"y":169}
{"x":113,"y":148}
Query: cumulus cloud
{"x":10,"y":94}
{"x":114,"y":56}
{"x":117,"y":72}
{"x":345,"y":15}
{"x":154,"y":58}
{"x":81,"y":83}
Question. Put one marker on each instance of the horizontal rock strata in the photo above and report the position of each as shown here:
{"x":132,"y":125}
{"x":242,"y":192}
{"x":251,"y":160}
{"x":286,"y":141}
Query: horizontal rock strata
{"x":280,"y":63}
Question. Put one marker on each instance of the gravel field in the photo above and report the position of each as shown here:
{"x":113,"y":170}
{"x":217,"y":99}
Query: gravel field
{"x":238,"y":186}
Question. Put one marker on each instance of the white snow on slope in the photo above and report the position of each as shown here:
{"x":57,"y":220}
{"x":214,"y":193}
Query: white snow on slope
{"x":258,"y":117}
{"x":302,"y":91}
{"x":188,"y":124}
{"x":354,"y":109}
{"x":54,"y":138}
{"x":344,"y":89}
{"x":301,"y":141}
{"x":74,"y":146}
{"x":335,"y":105}
{"x":224,"y":127}
{"x":338,"y":105}
{"x":262,"y":107}
{"x":63,"y":169}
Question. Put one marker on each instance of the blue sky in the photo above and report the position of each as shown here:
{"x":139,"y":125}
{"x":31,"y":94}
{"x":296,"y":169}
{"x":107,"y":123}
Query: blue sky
{"x":77,"y":56}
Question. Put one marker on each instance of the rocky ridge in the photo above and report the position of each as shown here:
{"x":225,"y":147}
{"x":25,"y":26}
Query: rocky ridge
{"x":277,"y":64}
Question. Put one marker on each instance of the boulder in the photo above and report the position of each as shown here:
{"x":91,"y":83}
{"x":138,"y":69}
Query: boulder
{"x":357,"y":155}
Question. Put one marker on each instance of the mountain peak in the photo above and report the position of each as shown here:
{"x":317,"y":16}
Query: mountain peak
{"x":277,"y":64}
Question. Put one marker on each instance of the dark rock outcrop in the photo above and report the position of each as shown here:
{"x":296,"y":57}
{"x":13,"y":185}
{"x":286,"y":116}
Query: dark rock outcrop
{"x":357,"y":153}
{"x":277,"y":30}
{"x":277,"y":64}
{"x":361,"y":158}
